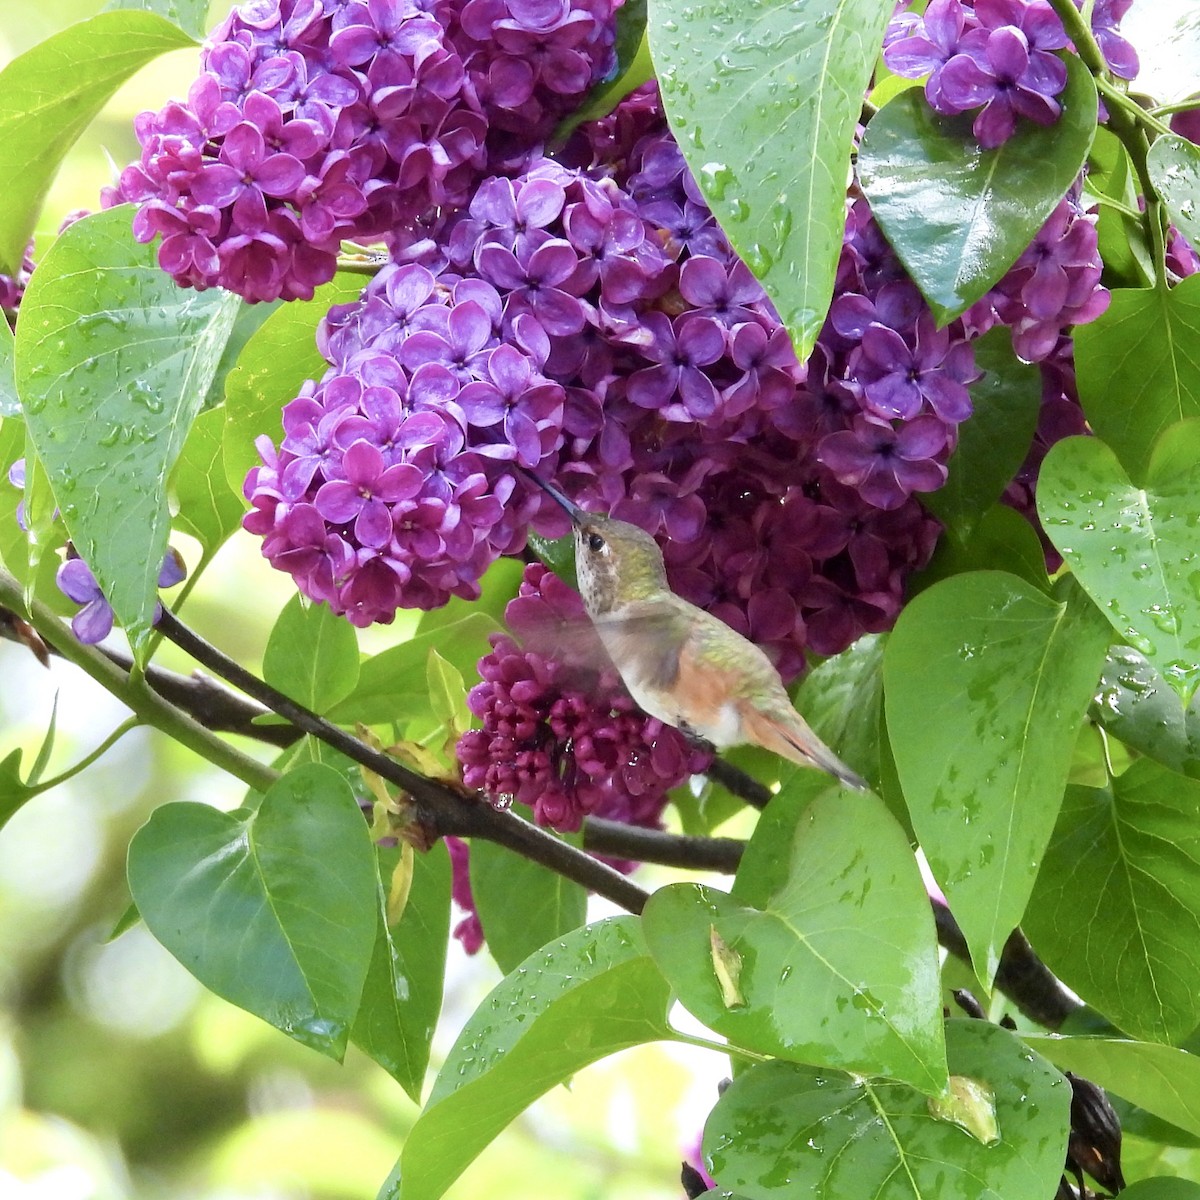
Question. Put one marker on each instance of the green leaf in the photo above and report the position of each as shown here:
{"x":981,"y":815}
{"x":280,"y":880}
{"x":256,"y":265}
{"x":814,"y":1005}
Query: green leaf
{"x":1133,"y":549}
{"x":785,"y":1131}
{"x":312,"y":655}
{"x":393,"y":685}
{"x":190,"y":15}
{"x":836,"y":962}
{"x":1138,"y":367}
{"x":271,"y":369}
{"x":993,"y":443}
{"x":521,"y":904}
{"x":632,"y":70}
{"x":402,"y":995}
{"x":986,"y":681}
{"x":1161,"y":1079}
{"x":1132,"y":852}
{"x":10,"y":406}
{"x":1165,"y":1187}
{"x":763,"y":100}
{"x":1002,"y":540}
{"x":113,"y":359}
{"x":48,"y":96}
{"x":274,"y":910}
{"x":208,"y":508}
{"x":593,"y":993}
{"x":1135,"y":705}
{"x":14,"y":791}
{"x":959,"y":216}
{"x":1174,"y":167}
{"x":249,"y":320}
{"x":841,"y":699}
{"x":1121,"y":236}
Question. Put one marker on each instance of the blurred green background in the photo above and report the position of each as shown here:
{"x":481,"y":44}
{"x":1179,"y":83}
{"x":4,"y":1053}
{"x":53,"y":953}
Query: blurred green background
{"x":120,"y":1077}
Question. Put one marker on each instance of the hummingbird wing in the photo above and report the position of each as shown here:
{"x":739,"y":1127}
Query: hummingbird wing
{"x":789,"y":735}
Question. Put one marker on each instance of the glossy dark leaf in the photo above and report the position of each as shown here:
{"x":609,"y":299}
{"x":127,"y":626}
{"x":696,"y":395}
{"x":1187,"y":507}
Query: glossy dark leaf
{"x":986,"y":682}
{"x":274,"y":910}
{"x":113,"y":360}
{"x":837,"y":963}
{"x":591,"y":994}
{"x":521,"y":904}
{"x":783,"y":1131}
{"x":959,"y":216}
{"x":1134,"y":549}
{"x":1130,"y":852}
{"x":1135,"y":705}
{"x":763,"y":101}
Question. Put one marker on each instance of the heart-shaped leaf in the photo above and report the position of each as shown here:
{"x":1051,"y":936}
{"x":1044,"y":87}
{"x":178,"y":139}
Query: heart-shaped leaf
{"x":986,"y":681}
{"x":1134,"y":549}
{"x":763,"y":100}
{"x":113,"y":360}
{"x":959,"y":216}
{"x":1131,"y":851}
{"x":782,"y":1131}
{"x":837,"y":963}
{"x":402,"y":994}
{"x":1136,"y":706}
{"x":1163,"y":1187}
{"x":1174,"y":166}
{"x":274,"y":910}
{"x":590,"y":994}
{"x":1137,"y":367}
{"x":1161,"y":1079}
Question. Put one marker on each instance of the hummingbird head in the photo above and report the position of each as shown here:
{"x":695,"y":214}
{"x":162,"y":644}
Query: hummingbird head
{"x":616,"y":562}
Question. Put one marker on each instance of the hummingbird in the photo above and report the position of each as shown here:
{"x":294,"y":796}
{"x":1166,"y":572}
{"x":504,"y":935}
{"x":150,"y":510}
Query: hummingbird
{"x":681,"y":664}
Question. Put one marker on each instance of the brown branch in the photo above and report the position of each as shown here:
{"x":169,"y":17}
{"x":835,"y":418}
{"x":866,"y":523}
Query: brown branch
{"x":656,"y":846}
{"x":440,"y":809}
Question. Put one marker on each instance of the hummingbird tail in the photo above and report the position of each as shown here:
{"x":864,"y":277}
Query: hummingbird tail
{"x":794,"y":740}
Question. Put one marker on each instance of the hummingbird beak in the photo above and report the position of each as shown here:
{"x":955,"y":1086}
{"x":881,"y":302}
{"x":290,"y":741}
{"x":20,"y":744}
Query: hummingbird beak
{"x":577,"y":514}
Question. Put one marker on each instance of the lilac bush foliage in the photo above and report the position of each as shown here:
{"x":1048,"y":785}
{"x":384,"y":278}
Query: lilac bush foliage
{"x":998,"y":58}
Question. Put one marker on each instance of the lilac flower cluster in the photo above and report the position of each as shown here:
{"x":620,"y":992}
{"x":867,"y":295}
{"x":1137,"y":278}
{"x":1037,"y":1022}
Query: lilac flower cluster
{"x":469,"y":930}
{"x":998,"y":57}
{"x":313,"y":121}
{"x":1055,"y":283}
{"x":393,"y":485}
{"x":560,"y":734}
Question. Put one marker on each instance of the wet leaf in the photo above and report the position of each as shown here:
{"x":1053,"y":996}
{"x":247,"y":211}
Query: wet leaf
{"x":763,"y":100}
{"x":959,"y":216}
{"x":1174,"y":167}
{"x":837,"y":957}
{"x":312,"y":655}
{"x":782,"y":1130}
{"x":986,"y":681}
{"x":591,"y":994}
{"x":113,"y":360}
{"x":1134,"y":550}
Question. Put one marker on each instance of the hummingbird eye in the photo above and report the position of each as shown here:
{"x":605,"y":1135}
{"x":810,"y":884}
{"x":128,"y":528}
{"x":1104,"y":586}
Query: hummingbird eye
{"x":595,"y":543}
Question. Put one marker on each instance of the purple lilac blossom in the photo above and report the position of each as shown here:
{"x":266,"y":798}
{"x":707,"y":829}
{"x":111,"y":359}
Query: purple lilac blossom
{"x":469,"y":930}
{"x":998,"y":58}
{"x":562,"y":736}
{"x":94,"y":621}
{"x":312,"y":123}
